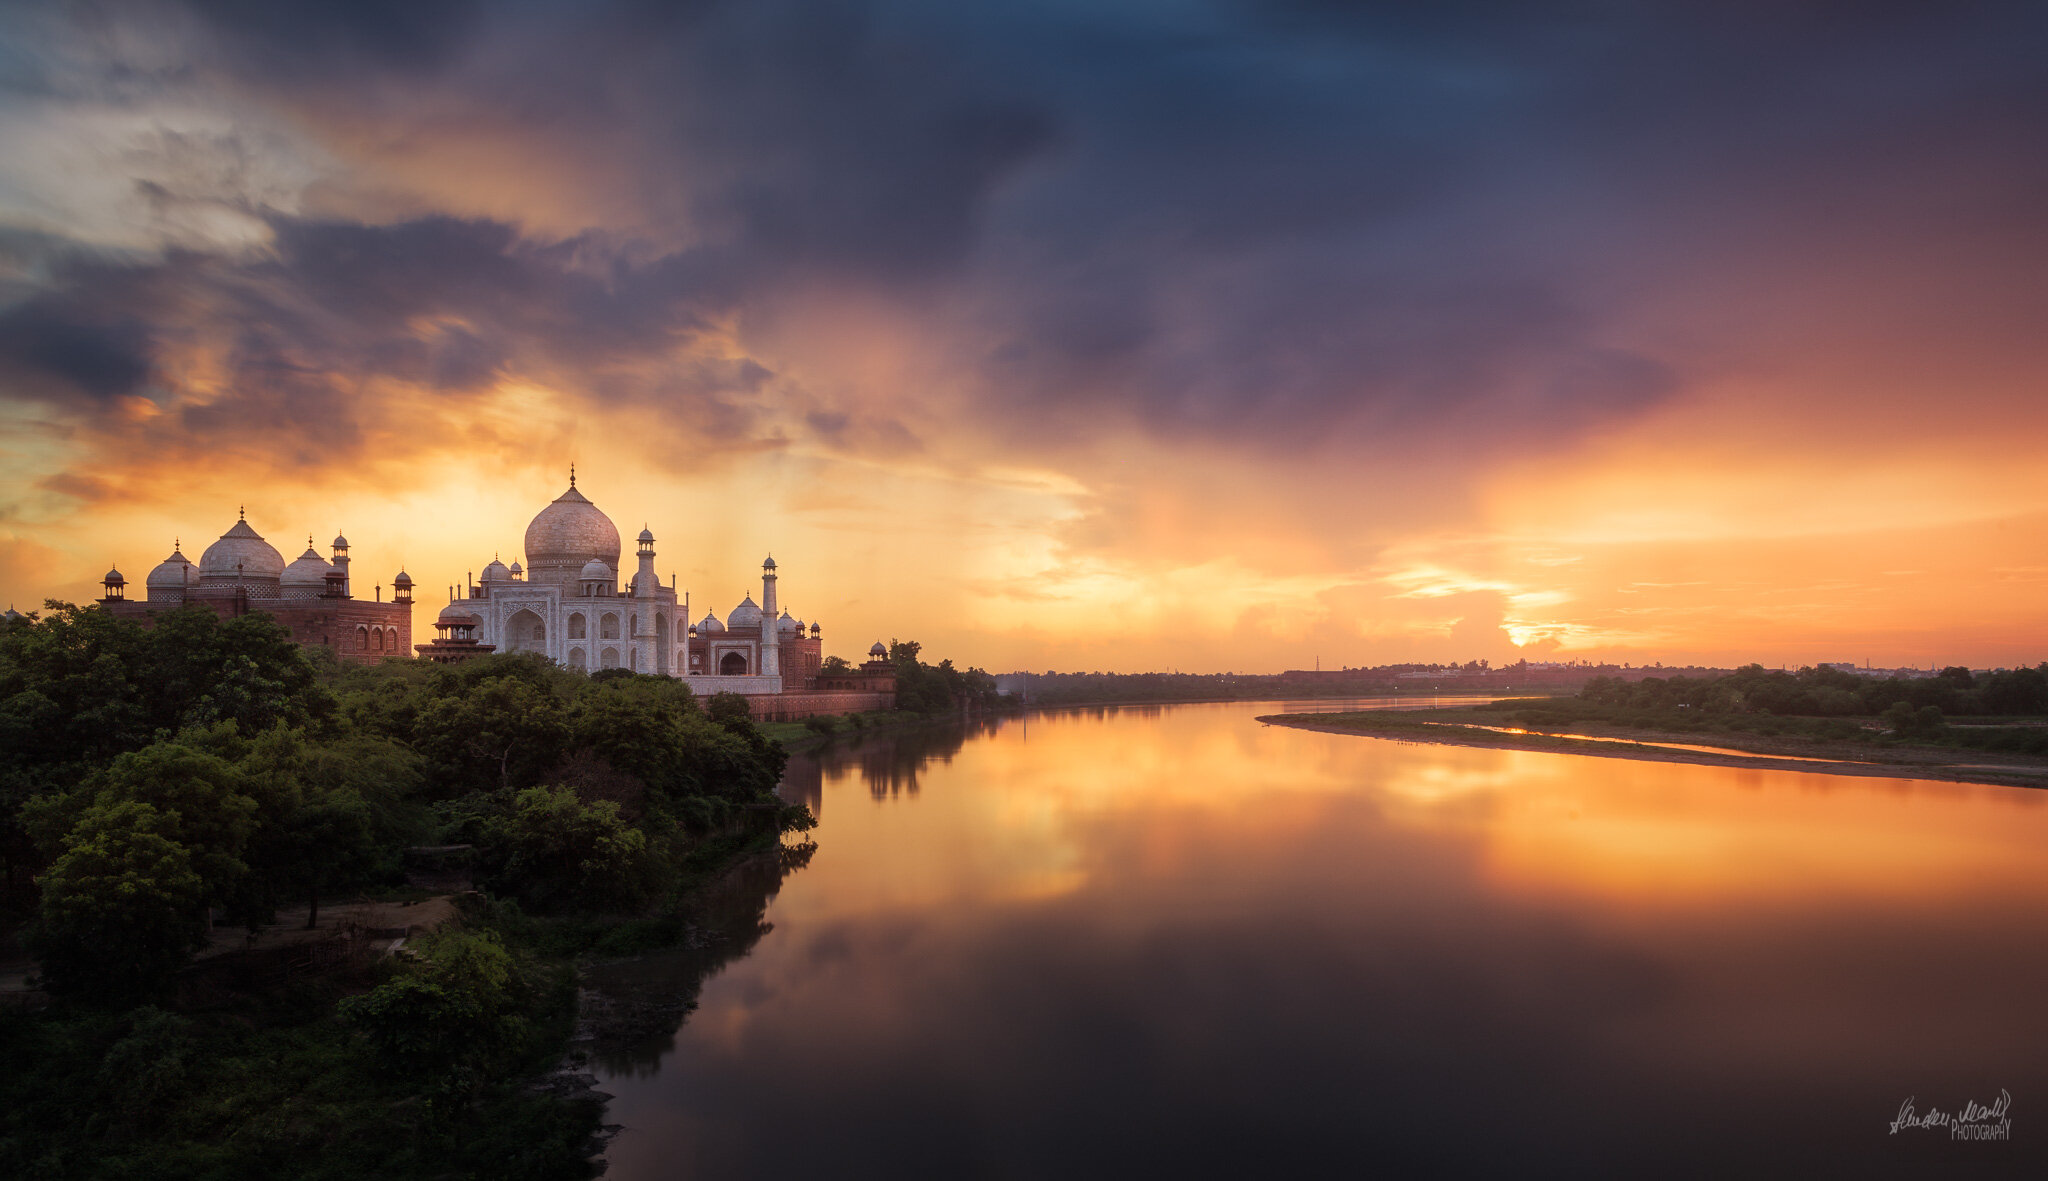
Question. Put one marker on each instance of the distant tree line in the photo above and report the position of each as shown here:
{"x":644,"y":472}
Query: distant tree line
{"x":1818,"y":703}
{"x":1828,"y":692}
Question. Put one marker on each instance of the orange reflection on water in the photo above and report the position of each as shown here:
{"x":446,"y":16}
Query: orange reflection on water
{"x":1081,"y":932}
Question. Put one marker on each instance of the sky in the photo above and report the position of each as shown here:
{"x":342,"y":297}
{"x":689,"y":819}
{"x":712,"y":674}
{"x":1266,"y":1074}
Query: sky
{"x":1156,"y":334}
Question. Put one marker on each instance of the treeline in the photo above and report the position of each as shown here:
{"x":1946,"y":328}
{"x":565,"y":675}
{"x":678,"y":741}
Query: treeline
{"x":156,"y":781}
{"x":1827,"y":692}
{"x":149,"y":776}
{"x":1819,"y":703}
{"x":931,"y":689}
{"x":1050,"y":688}
{"x":1093,"y":688}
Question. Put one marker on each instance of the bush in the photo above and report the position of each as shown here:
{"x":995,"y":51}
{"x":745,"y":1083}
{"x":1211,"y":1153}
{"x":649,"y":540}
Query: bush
{"x":122,"y":907}
{"x":552,"y":851}
{"x":449,"y":1017}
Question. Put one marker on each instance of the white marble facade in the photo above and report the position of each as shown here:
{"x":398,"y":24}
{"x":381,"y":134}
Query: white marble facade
{"x":569,"y":604}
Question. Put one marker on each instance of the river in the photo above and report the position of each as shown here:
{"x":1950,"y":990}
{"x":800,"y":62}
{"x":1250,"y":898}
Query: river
{"x":1172,"y":941}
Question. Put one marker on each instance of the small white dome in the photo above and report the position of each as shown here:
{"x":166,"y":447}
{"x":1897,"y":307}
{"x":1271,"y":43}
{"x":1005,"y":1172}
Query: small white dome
{"x":709,"y":624}
{"x":402,"y":579}
{"x":496,"y":572}
{"x":457,"y":613}
{"x":769,"y":564}
{"x":114,"y":577}
{"x":645,"y":535}
{"x":517,"y":569}
{"x":788,"y":623}
{"x":878,"y":651}
{"x":340,"y":542}
{"x":308,"y":569}
{"x":175,"y":570}
{"x":745,"y":617}
{"x":596,"y":570}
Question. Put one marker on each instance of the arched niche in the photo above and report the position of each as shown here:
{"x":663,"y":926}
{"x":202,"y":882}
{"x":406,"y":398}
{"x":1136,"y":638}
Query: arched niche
{"x":525,"y":632}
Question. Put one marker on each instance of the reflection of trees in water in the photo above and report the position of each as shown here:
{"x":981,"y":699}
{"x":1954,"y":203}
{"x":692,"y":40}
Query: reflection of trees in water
{"x":888,"y":763}
{"x":803,"y":782}
{"x":641,"y":1003}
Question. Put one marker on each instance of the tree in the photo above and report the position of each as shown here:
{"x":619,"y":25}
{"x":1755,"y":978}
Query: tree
{"x":554,"y":851}
{"x":502,"y":732}
{"x":122,"y":908}
{"x":449,"y":1017}
{"x":728,"y":707}
{"x":328,"y":839}
{"x":201,"y":803}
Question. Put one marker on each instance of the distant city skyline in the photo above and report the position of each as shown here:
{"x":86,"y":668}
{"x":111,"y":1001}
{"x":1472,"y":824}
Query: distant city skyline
{"x":1076,"y":337}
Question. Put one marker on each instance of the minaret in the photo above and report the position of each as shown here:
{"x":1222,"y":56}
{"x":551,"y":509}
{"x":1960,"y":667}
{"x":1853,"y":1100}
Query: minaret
{"x":771,"y":652}
{"x":341,"y":561}
{"x":645,"y":586}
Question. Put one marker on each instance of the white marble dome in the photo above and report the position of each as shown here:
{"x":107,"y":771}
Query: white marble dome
{"x":594,"y":569}
{"x":175,"y":570}
{"x":709,"y":624}
{"x":456,"y":613}
{"x":307,"y":570}
{"x":496,"y":572}
{"x":789,"y":623}
{"x":241,"y":550}
{"x":569,"y":533}
{"x":745,"y":617}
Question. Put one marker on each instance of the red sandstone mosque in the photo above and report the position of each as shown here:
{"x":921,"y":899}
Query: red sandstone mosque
{"x":312,"y":596}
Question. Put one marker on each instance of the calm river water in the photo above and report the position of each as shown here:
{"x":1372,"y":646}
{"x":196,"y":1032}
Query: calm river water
{"x":1169,"y":941}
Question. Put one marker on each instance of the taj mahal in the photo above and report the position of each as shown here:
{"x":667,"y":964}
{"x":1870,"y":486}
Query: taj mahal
{"x":567,"y":602}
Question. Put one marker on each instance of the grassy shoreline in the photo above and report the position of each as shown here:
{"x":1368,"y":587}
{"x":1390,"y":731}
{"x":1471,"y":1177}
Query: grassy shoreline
{"x":1462,"y":728}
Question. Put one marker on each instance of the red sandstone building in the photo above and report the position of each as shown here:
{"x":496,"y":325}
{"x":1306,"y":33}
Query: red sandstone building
{"x":312,"y":597}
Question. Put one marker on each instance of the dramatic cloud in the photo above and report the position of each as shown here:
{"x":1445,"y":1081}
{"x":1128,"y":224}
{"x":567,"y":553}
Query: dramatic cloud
{"x":1123,"y":312}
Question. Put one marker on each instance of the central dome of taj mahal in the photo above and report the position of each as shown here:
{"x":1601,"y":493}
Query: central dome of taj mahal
{"x":565,"y":535}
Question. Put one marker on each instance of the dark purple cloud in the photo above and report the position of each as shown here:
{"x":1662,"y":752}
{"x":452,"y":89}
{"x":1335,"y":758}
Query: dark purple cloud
{"x":1289,"y":225}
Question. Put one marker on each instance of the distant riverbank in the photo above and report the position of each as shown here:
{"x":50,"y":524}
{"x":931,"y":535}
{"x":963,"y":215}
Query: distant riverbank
{"x":1746,"y":750}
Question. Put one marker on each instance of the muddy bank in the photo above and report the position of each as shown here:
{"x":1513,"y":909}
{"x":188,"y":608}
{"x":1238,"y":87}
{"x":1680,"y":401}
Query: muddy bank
{"x":1962,"y":767}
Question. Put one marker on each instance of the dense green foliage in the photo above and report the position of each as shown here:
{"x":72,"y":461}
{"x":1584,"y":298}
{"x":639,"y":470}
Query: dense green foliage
{"x":153,"y":777}
{"x":280,"y":1086}
{"x":930,"y":689}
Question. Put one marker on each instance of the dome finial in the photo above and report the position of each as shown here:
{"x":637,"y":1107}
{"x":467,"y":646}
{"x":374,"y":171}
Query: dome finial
{"x":572,"y":475}
{"x":242,"y":512}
